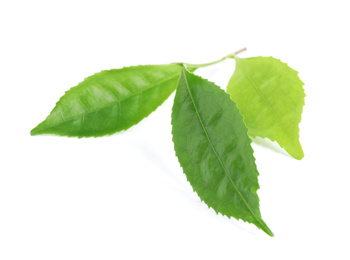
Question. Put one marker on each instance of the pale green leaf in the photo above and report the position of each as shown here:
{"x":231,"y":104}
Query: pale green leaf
{"x":214,"y":150}
{"x":111,"y":101}
{"x":270,"y":96}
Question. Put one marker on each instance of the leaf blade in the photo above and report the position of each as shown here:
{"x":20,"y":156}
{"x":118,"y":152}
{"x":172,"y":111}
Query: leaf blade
{"x":270,"y":96}
{"x":110,"y":101}
{"x":219,"y":165}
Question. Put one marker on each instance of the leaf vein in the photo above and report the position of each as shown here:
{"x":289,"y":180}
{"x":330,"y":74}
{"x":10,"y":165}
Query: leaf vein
{"x":216,"y":153}
{"x":273,"y":113}
{"x":65,"y":120}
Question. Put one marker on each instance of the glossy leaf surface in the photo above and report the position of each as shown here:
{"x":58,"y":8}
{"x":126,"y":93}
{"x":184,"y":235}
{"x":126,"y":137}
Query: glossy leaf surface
{"x":270,"y":96}
{"x":111,"y":101}
{"x":213,"y":148}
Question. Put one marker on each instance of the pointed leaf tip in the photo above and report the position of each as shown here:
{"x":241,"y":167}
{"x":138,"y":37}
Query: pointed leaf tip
{"x":270,"y":96}
{"x":110,"y":101}
{"x":213,"y":148}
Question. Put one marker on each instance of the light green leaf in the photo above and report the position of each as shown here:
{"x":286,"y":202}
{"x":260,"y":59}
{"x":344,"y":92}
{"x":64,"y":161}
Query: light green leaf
{"x":111,"y":101}
{"x":213,"y":148}
{"x":270,"y":96}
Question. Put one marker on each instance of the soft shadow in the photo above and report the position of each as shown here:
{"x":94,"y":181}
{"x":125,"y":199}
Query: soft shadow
{"x":267,"y":143}
{"x":158,"y":160}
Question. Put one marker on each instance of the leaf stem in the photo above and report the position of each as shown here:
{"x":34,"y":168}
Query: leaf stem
{"x":229,"y":56}
{"x":238,"y":52}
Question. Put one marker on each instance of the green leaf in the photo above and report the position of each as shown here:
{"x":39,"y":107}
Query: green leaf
{"x":213,"y":148}
{"x":270,"y":96}
{"x":111,"y":101}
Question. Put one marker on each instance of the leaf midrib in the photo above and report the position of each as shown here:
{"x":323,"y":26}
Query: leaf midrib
{"x":112,"y":103}
{"x":273,"y":113}
{"x":217,"y":155}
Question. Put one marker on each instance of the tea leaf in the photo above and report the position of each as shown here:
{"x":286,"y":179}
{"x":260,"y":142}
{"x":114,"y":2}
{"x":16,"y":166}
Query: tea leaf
{"x":213,"y":148}
{"x":270,"y":96}
{"x":111,"y":101}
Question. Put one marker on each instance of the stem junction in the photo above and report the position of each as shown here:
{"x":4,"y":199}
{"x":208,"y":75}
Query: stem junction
{"x":229,"y":56}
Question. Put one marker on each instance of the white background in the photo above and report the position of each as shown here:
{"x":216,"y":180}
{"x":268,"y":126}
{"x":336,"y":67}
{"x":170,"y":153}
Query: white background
{"x":125,"y":196}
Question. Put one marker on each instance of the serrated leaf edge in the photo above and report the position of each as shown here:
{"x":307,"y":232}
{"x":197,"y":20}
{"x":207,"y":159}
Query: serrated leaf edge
{"x":273,"y":113}
{"x":262,"y":223}
{"x":32,"y":132}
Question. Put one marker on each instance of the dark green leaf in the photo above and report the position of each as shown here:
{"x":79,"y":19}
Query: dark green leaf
{"x":111,"y":101}
{"x":213,"y":148}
